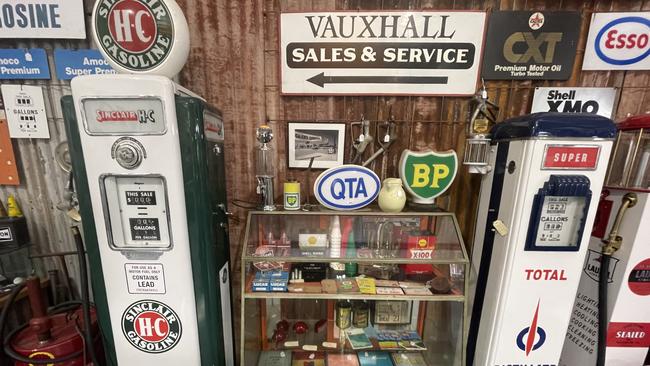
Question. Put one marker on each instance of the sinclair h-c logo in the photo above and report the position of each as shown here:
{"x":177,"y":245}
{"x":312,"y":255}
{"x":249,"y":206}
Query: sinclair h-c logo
{"x":151,"y":326}
{"x":135,"y":34}
{"x":140,"y":115}
{"x":532,"y":337}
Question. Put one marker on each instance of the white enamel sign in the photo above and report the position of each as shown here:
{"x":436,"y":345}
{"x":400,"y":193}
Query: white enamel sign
{"x":575,"y":100}
{"x":370,"y":53}
{"x":145,"y":278}
{"x":25,"y":110}
{"x":618,"y":41}
{"x":52,"y":19}
{"x":346,"y":187}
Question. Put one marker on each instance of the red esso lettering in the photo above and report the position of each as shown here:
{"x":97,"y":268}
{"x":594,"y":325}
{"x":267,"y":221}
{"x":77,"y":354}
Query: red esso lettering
{"x":151,"y":326}
{"x":132,"y":26}
{"x":618,"y":40}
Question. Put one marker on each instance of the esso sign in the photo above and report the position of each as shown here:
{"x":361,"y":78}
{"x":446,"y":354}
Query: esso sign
{"x":624,"y":41}
{"x":346,"y":187}
{"x":618,"y":41}
{"x":142,"y":36}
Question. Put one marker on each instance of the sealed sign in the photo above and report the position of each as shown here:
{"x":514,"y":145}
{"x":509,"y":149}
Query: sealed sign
{"x":24,"y":64}
{"x":346,"y":187}
{"x":524,"y":45}
{"x":425,"y":52}
{"x":71,"y":63}
{"x":575,"y":100}
{"x":53,"y":19}
{"x":25,"y":110}
{"x":145,"y":278}
{"x":618,"y":41}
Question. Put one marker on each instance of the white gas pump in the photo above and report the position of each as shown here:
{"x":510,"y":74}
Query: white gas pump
{"x":530,"y":242}
{"x":148,"y":163}
{"x":623,"y":219}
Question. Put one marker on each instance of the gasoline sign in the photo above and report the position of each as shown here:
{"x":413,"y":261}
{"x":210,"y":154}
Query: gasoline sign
{"x":427,"y":174}
{"x":55,"y":19}
{"x":531,"y":45}
{"x":151,"y":326}
{"x":618,"y":41}
{"x":409,"y":52}
{"x":148,"y":36}
{"x":574,"y":100}
{"x":346,"y":187}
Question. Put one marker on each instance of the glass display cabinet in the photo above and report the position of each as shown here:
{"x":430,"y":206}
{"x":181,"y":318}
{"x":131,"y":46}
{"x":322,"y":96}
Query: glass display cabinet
{"x":353,"y":288}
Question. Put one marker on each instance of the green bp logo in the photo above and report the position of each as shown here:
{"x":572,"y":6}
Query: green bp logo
{"x":151,"y":326}
{"x":427,"y":174}
{"x":135,"y":34}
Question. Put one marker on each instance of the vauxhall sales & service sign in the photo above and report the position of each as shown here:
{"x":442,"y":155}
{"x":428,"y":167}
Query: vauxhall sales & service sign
{"x":618,"y":41}
{"x":525,"y":45}
{"x":415,"y":52}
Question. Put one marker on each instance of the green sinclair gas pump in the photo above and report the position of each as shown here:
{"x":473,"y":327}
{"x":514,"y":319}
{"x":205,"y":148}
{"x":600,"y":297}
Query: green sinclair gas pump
{"x":149,"y":171}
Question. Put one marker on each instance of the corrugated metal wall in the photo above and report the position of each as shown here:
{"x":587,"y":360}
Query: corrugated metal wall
{"x":42,"y":181}
{"x":233,"y":63}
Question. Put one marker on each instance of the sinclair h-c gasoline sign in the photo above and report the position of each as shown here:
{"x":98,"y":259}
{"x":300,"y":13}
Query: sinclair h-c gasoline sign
{"x":426,"y":52}
{"x":524,"y":45}
{"x":142,"y":36}
{"x":618,"y":41}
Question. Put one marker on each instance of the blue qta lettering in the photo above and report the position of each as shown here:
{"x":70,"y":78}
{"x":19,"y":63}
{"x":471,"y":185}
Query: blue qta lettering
{"x":338,"y":182}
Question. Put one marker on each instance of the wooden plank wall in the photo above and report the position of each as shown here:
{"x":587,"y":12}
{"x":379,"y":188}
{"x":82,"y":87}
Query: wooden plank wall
{"x":234,"y":63}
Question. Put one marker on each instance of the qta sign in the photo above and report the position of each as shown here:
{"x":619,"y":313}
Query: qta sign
{"x":346,"y":187}
{"x":618,"y":41}
{"x":142,"y":36}
{"x":427,"y":174}
{"x":151,"y":326}
{"x":385,"y":52}
{"x":574,"y":100}
{"x":523,"y":45}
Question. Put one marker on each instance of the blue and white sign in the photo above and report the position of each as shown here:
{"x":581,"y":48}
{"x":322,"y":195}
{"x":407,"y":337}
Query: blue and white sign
{"x":53,"y":19}
{"x":24,"y":64}
{"x":71,"y":63}
{"x":618,"y":41}
{"x":346,"y":187}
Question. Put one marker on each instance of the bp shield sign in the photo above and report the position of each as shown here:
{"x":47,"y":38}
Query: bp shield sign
{"x":427,"y":174}
{"x":142,"y":36}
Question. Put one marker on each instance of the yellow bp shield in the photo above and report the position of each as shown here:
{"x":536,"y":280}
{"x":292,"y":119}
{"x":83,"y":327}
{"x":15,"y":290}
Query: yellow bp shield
{"x":427,"y":174}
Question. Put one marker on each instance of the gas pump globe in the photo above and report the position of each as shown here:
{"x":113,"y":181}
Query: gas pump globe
{"x":631,"y":158}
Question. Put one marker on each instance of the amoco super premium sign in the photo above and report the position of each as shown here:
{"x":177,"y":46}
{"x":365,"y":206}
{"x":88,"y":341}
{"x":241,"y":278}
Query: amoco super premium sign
{"x":142,"y":36}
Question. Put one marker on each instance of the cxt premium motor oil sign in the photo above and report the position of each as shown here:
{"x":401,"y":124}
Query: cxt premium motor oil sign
{"x":524,"y":45}
{"x":425,"y":52}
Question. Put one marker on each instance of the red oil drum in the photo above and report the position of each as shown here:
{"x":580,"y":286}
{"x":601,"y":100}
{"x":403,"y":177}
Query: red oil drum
{"x":66,"y":339}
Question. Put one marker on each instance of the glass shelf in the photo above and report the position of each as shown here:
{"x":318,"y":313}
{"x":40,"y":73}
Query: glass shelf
{"x":366,"y":237}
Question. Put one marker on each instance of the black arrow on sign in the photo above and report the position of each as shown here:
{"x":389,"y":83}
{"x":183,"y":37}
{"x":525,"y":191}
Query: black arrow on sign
{"x":321,"y":79}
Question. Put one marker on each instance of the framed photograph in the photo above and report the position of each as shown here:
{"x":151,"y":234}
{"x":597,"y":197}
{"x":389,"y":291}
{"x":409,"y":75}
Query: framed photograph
{"x":322,"y":141}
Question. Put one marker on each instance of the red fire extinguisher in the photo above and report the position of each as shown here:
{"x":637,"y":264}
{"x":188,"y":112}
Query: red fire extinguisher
{"x":60,"y":337}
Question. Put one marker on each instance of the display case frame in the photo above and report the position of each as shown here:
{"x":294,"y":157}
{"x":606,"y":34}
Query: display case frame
{"x":459,"y":258}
